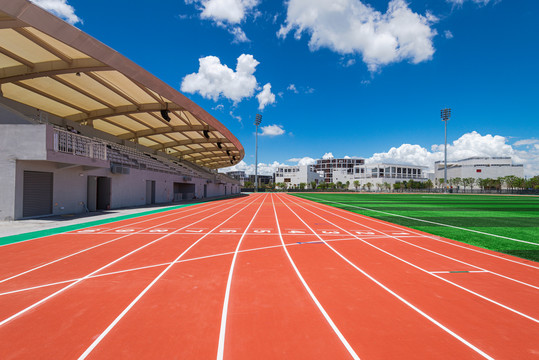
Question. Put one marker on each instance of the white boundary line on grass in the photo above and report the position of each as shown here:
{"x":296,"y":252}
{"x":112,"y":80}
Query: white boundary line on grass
{"x":311,"y":294}
{"x":426,"y":271}
{"x":224,"y":313}
{"x":21,"y":312}
{"x":149,"y":286}
{"x":430,"y":222}
{"x":432,"y":237}
{"x":406,"y":302}
{"x":105,"y":243}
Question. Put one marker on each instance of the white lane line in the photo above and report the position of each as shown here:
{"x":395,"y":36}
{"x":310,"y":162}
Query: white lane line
{"x":432,"y":237}
{"x":224,"y":314}
{"x":406,"y":302}
{"x":311,"y":294}
{"x":399,"y":238}
{"x":122,"y":314}
{"x":458,"y":271}
{"x":432,"y":222}
{"x":91,"y":226}
{"x":161,"y":265}
{"x":12,"y":317}
{"x":429,"y":272}
{"x":101,"y":244}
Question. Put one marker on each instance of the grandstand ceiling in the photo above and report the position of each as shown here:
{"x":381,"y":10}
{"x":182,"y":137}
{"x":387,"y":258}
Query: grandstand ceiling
{"x":52,"y":66}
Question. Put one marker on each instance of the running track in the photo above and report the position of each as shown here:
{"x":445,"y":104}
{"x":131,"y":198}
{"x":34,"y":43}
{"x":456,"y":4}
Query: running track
{"x":269,"y":276}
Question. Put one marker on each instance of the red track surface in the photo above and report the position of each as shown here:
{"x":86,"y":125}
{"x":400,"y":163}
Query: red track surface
{"x":269,"y":276}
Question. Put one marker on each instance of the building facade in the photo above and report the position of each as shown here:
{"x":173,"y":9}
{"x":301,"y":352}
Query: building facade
{"x":297,"y":174}
{"x":479,"y":168}
{"x":379,"y":174}
{"x":326,"y":166}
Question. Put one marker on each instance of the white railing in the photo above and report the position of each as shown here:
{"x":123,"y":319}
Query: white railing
{"x":71,"y":143}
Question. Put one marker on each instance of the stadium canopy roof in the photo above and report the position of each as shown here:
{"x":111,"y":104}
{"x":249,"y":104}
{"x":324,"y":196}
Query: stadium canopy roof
{"x":52,"y":66}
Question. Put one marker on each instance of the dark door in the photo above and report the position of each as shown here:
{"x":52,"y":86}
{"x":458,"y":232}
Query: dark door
{"x":37,"y":193}
{"x":103,"y":193}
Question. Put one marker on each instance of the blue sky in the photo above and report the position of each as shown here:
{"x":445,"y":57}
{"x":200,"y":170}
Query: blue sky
{"x":358,"y":78}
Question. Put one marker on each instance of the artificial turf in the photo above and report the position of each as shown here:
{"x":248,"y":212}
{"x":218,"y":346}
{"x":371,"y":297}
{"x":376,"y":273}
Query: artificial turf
{"x":515,"y":217}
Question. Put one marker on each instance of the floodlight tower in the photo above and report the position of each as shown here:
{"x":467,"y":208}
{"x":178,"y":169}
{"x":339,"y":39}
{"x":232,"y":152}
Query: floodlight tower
{"x":445,"y":114}
{"x":258,"y":120}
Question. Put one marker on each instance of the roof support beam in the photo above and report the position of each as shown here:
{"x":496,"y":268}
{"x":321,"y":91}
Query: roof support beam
{"x":49,"y":96}
{"x":44,"y":69}
{"x":38,"y":41}
{"x":120,"y":110}
{"x":185,"y":142}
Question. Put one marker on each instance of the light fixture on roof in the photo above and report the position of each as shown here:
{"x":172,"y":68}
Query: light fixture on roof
{"x":164,"y":113}
{"x":206,"y":134}
{"x":228,"y":152}
{"x":77,"y":73}
{"x":219,"y":145}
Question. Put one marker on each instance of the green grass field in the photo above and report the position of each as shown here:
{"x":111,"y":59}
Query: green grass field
{"x":515,"y":217}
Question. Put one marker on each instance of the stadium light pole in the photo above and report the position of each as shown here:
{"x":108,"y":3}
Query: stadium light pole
{"x":258,"y":120}
{"x":445,"y":114}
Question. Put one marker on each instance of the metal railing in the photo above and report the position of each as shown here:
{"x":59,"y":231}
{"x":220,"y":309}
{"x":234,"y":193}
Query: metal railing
{"x":71,"y":143}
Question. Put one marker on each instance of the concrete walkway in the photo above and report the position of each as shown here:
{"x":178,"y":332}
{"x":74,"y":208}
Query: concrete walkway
{"x":17,"y":227}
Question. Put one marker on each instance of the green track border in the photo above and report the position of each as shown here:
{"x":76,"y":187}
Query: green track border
{"x":11,"y":239}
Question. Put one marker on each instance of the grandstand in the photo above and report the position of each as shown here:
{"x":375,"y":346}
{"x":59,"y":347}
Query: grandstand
{"x":82,"y":128}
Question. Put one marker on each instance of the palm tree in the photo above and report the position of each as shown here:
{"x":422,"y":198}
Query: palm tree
{"x":356,"y":184}
{"x":369,"y":185}
{"x":313,"y":185}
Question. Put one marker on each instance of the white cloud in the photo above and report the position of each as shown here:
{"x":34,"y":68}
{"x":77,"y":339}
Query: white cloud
{"x":59,"y":8}
{"x":265,"y":97}
{"x":460,"y":2}
{"x":227,"y":14}
{"x":214,"y":79}
{"x":263,"y":169}
{"x":303,"y":161}
{"x":292,"y":88}
{"x":448,"y":34}
{"x":526,"y":142}
{"x":468,"y":145}
{"x":220,"y":11}
{"x":328,"y":156}
{"x":352,"y":27}
{"x":237,"y":117}
{"x":272,"y":130}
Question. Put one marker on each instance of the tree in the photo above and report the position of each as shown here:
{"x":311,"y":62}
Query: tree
{"x":348,"y":185}
{"x":428,"y":184}
{"x":457,"y":181}
{"x":331,"y":185}
{"x":322,"y":186}
{"x":356,"y":184}
{"x":386,"y":186}
{"x":302,"y":185}
{"x":248,"y":184}
{"x":369,"y":185}
{"x":397,"y":186}
{"x":313,"y":184}
{"x":339,"y":185}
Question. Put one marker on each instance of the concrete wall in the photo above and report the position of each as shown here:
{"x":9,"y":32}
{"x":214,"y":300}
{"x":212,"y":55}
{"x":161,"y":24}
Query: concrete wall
{"x":29,"y":148}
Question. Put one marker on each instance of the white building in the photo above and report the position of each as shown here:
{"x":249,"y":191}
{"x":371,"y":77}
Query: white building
{"x":297,"y":174}
{"x":479,"y":168}
{"x":378,"y":174}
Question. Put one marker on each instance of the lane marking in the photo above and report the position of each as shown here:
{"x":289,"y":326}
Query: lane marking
{"x":21,"y":312}
{"x":101,"y":244}
{"x":428,"y":250}
{"x":311,"y":294}
{"x":432,"y":237}
{"x":413,"y":307}
{"x":458,"y":271}
{"x":149,"y":286}
{"x":224,"y":313}
{"x":432,"y":274}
